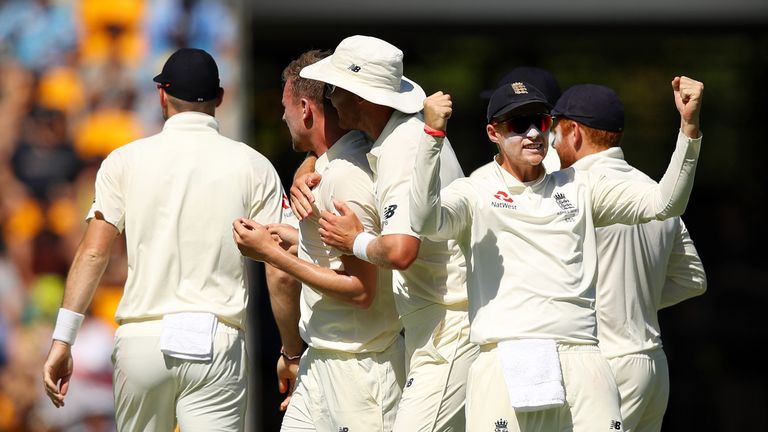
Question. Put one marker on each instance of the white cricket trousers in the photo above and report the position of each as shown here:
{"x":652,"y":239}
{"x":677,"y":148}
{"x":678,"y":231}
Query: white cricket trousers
{"x":439,"y":355}
{"x":346,"y":392}
{"x":153,"y":390}
{"x":592,"y":398}
{"x":643,"y":381}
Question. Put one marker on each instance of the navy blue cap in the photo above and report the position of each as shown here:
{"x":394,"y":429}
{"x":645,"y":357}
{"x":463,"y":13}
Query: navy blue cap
{"x":592,"y":105}
{"x":190,"y":74}
{"x":542,"y":79}
{"x":516,"y":98}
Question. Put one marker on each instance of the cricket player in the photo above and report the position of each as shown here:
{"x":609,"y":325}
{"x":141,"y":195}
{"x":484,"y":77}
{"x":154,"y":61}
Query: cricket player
{"x":352,"y":375}
{"x":641,"y":268}
{"x":179,"y":353}
{"x":532,"y":261}
{"x":367,"y":87}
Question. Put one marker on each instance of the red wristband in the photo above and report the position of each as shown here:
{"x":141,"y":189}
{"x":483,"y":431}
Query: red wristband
{"x":434,"y":132}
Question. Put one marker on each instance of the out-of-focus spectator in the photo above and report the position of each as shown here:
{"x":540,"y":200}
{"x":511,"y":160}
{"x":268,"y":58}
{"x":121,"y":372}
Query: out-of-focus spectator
{"x":11,"y":301}
{"x":112,"y":26}
{"x":16,"y":91}
{"x":106,"y":129}
{"x":44,"y":157}
{"x":38,"y":33}
{"x":61,"y":89}
{"x":205,"y":24}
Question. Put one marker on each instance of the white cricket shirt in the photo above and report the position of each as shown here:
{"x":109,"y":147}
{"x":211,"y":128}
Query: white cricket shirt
{"x":532,"y":257}
{"x":175,"y":194}
{"x":438,"y":275}
{"x":641,"y":268}
{"x":328,"y":323}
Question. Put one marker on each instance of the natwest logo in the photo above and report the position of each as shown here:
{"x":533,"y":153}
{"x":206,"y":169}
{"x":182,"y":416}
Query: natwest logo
{"x":501,"y":195}
{"x":506,"y":201}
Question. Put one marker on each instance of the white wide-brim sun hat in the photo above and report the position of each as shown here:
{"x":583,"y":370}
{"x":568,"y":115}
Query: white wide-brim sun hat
{"x":372,"y":69}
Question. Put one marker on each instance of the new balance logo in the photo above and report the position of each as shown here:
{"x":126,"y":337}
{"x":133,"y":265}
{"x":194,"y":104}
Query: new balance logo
{"x":343,"y":429}
{"x":354,"y":68}
{"x":409,"y":382}
{"x":389,"y":211}
{"x":615,"y":425}
{"x":501,"y":426}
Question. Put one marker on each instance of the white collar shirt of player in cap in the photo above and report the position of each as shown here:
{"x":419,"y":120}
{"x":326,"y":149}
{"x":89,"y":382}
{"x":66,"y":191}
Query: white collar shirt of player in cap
{"x":641,"y":269}
{"x":175,"y":194}
{"x":532,"y":258}
{"x":328,"y":323}
{"x":438,"y":275}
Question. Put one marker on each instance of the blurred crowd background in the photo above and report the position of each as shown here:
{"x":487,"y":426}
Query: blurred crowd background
{"x":76,"y":82}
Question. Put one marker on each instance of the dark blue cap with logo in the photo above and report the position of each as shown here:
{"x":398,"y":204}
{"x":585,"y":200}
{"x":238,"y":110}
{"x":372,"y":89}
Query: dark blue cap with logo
{"x":190,"y":74}
{"x":592,"y":105}
{"x":541,"y":78}
{"x":516,"y":98}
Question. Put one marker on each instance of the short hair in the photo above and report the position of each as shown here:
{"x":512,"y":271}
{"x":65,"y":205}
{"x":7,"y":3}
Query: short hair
{"x":303,"y":87}
{"x":601,"y":138}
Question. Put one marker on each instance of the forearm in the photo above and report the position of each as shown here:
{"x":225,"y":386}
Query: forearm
{"x":425,"y":187}
{"x":393,"y":251}
{"x":284,"y":297}
{"x":84,"y":276}
{"x":675,"y":187}
{"x":329,"y":282}
{"x":307,"y":166}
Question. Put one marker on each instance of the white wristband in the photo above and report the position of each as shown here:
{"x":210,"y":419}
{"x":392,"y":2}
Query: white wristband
{"x":361,"y":244}
{"x":67,"y":325}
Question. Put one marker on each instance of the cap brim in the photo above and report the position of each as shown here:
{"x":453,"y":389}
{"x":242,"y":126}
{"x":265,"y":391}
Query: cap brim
{"x":409,"y":100}
{"x":530,"y":107}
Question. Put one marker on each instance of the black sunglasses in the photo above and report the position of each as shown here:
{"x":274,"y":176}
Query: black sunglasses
{"x":521,"y":124}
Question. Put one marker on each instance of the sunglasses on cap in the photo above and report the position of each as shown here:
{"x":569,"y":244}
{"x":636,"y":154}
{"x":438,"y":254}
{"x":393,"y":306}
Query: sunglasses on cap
{"x":329,"y":89}
{"x":521,"y":124}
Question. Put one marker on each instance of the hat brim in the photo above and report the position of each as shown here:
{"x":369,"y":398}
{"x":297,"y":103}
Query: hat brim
{"x":409,"y":99}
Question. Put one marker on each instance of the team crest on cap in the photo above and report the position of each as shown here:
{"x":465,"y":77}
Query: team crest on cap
{"x":519,"y":88}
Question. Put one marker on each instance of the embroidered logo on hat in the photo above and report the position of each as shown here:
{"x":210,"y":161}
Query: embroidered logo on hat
{"x":519,"y":88}
{"x":354,"y":68}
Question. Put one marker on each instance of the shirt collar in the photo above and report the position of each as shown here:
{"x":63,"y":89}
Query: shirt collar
{"x":191,"y":120}
{"x":515,"y":185}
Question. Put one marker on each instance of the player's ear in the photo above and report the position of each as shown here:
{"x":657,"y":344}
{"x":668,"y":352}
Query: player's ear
{"x":220,"y":99}
{"x":493,"y":134}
